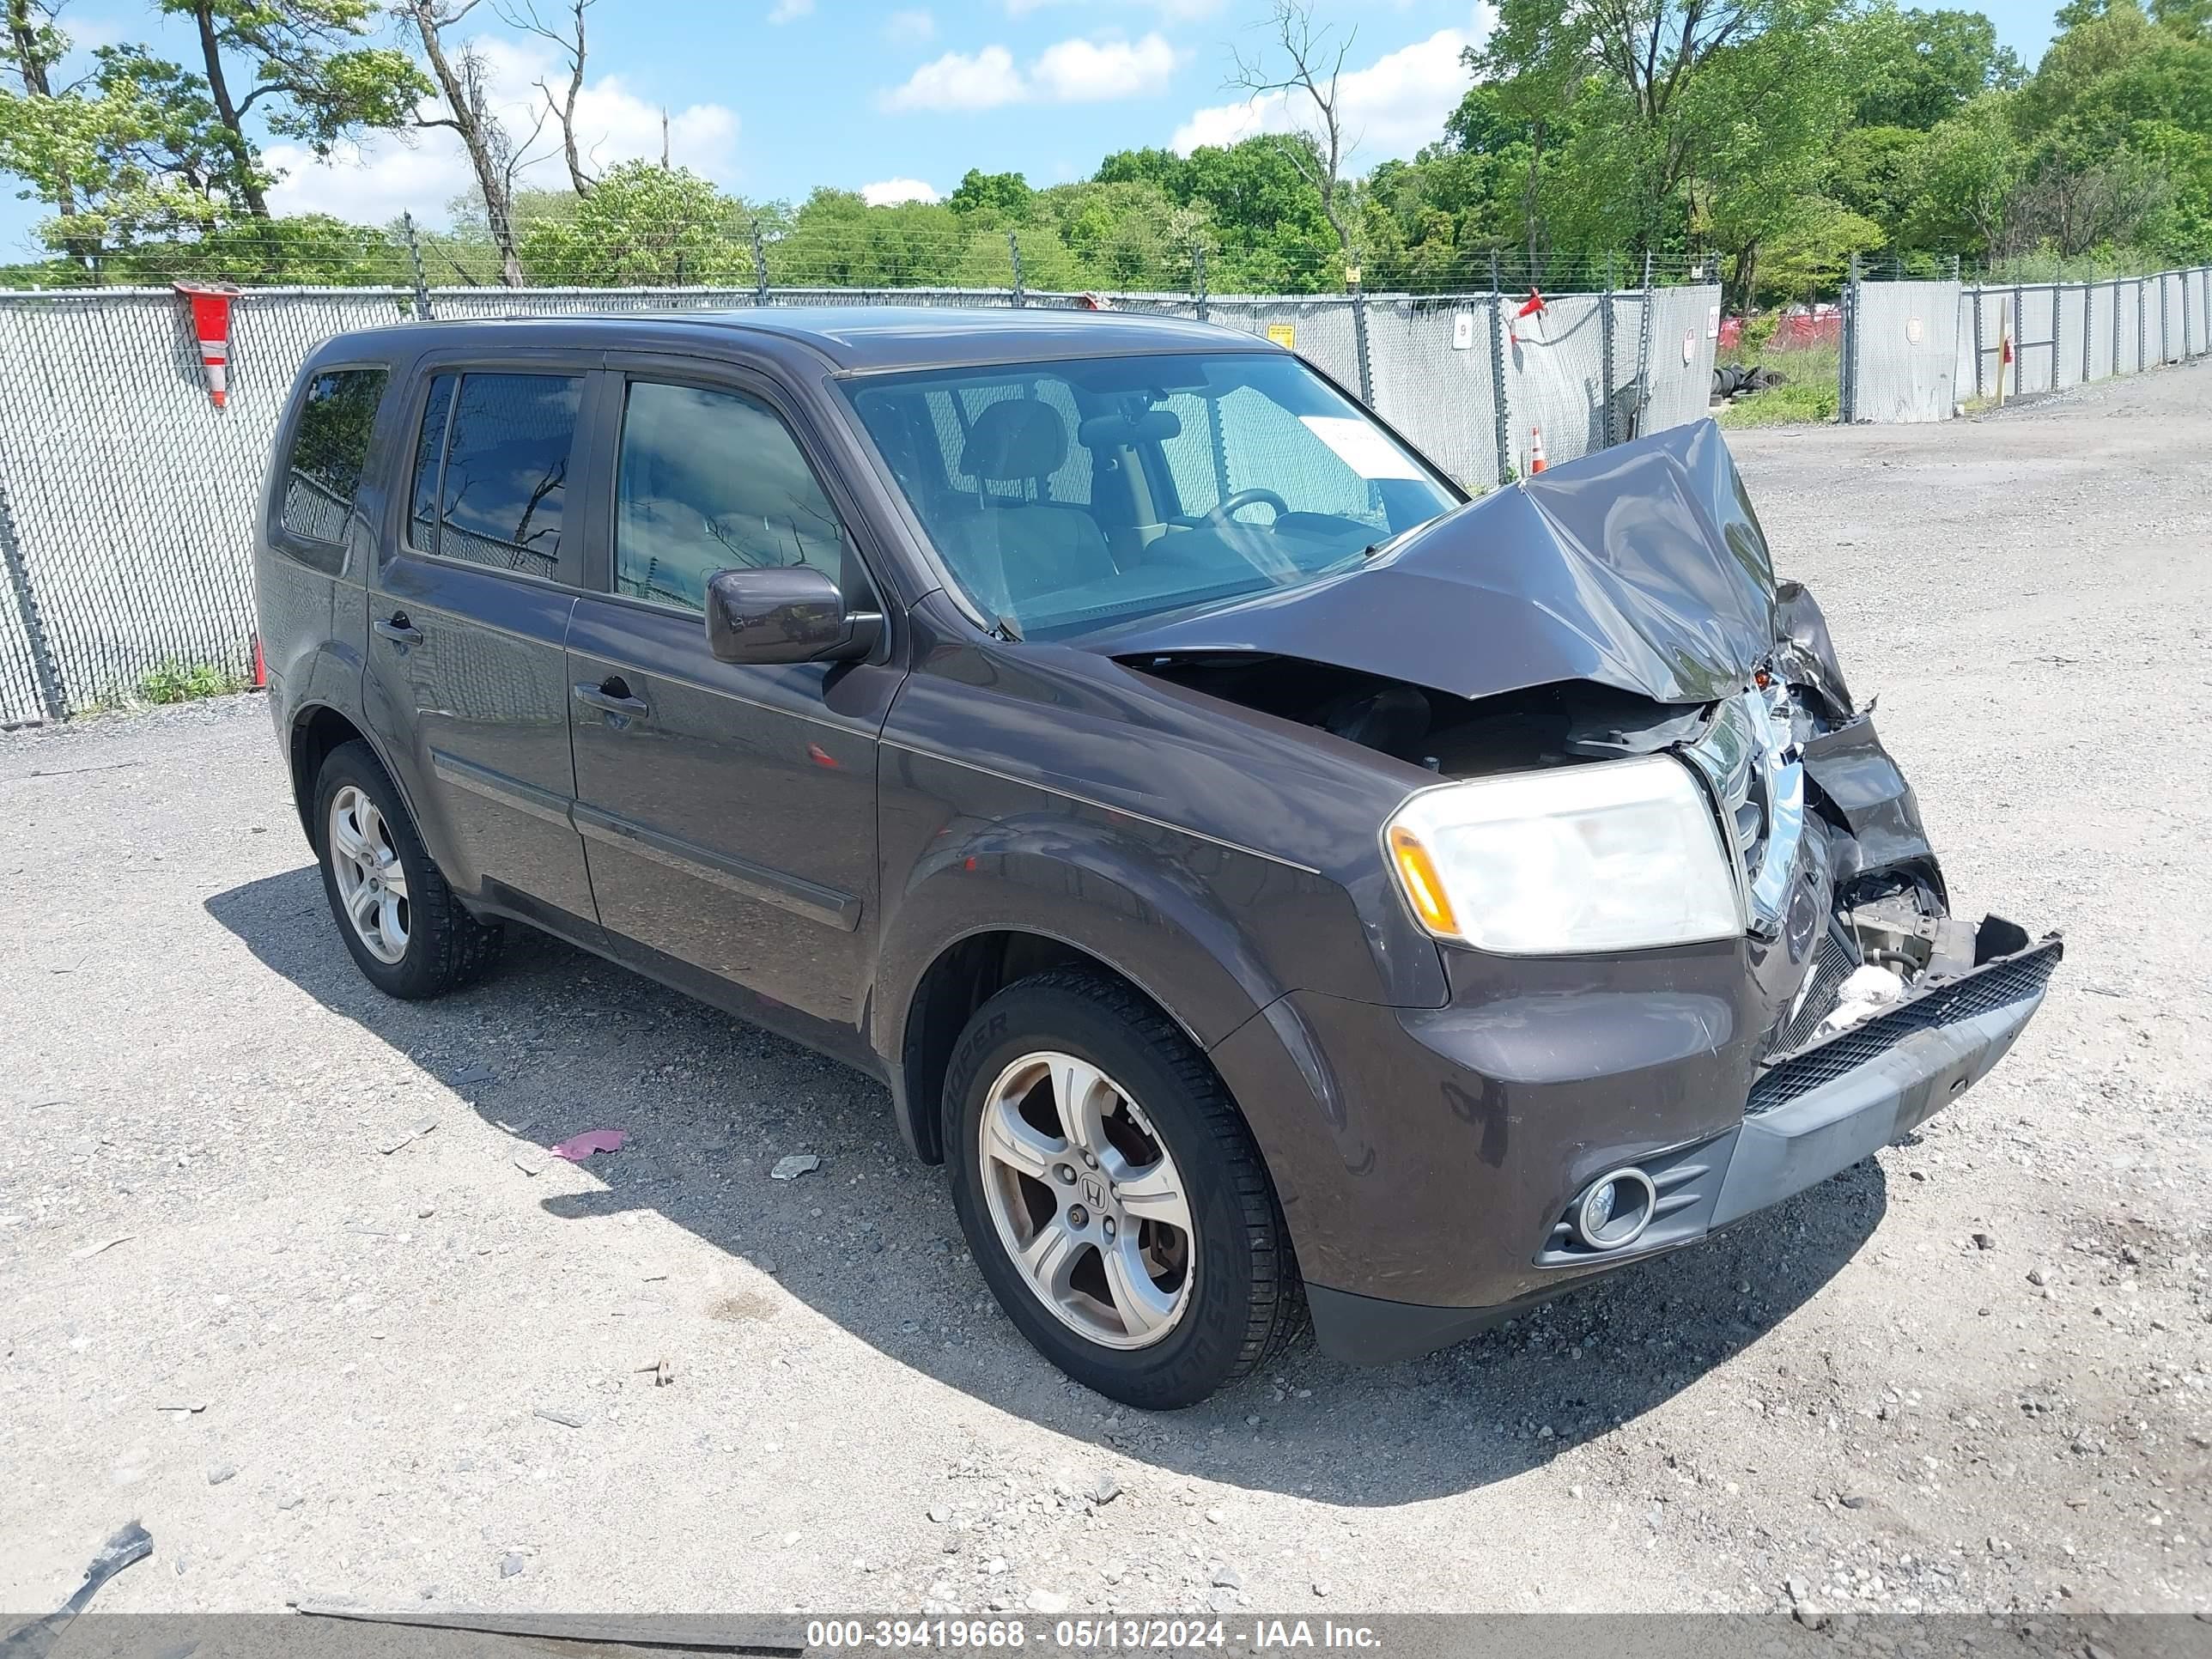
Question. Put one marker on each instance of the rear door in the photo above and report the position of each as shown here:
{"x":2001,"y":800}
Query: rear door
{"x":468,"y":617}
{"x":729,"y":810}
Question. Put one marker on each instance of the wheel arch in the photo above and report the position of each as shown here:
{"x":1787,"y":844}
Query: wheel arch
{"x":966,"y":973}
{"x":317,"y":729}
{"x":1019,"y":895}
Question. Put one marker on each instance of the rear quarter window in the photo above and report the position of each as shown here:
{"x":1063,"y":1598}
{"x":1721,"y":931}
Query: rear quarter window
{"x":330,"y":450}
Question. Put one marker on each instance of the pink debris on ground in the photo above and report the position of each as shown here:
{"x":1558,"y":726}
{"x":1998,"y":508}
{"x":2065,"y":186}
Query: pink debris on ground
{"x":577,"y":1148}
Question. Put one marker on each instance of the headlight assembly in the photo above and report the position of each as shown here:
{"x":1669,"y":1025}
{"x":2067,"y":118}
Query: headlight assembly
{"x":1615,"y":855}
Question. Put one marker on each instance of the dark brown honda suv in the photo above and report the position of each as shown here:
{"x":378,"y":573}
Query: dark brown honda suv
{"x":1270,"y":881}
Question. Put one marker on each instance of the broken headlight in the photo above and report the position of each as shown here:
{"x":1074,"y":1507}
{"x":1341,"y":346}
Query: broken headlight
{"x":1618,"y":855}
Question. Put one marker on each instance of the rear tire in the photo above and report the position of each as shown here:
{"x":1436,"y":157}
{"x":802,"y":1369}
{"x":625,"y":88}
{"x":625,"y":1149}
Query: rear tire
{"x":408,"y":934}
{"x":1159,"y":1267}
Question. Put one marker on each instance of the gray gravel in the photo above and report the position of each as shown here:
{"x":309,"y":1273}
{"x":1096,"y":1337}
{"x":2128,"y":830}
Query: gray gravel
{"x":328,"y":1351}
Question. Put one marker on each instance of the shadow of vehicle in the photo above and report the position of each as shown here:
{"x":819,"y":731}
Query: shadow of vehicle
{"x":572,"y":1043}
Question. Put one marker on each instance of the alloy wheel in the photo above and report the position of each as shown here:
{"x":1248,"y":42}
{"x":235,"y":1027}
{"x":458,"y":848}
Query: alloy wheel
{"x":371,"y":881}
{"x":1087,"y":1202}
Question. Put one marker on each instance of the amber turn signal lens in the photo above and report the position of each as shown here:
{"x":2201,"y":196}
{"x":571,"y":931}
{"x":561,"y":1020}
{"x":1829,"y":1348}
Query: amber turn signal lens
{"x":1424,"y":890}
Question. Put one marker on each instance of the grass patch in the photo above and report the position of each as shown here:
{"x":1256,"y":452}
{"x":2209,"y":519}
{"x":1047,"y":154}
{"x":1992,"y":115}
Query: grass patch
{"x":1807,"y":394}
{"x":177,"y":682}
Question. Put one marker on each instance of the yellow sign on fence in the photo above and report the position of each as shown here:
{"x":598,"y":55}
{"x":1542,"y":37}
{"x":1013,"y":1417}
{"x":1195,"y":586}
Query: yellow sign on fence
{"x":1284,"y":335}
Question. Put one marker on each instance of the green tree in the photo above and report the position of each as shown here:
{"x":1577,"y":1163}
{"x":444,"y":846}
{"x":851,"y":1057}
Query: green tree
{"x":1968,"y":173}
{"x":1127,"y":234}
{"x":135,"y":151}
{"x":1647,"y":69}
{"x":1764,"y":116}
{"x":2117,"y":122}
{"x":1917,"y":67}
{"x":32,"y":49}
{"x":1004,"y":194}
{"x":641,"y":224}
{"x":1876,"y":172}
{"x":307,"y":63}
{"x":1808,"y":251}
{"x":1162,"y":168}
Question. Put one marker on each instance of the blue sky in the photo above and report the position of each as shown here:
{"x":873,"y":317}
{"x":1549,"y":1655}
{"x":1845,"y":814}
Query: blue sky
{"x":770,"y":98}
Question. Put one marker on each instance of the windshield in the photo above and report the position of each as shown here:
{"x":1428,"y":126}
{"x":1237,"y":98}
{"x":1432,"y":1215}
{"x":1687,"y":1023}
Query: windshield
{"x":1069,"y":496}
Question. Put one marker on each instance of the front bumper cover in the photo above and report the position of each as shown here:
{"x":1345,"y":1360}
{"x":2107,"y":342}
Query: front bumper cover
{"x":1810,"y":1117}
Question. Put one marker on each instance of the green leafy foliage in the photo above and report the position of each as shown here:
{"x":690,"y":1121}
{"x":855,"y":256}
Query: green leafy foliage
{"x":1768,"y":139}
{"x":180,"y":681}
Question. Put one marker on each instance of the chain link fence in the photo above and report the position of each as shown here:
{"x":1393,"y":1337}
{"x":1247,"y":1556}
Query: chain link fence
{"x":1921,"y":350}
{"x":127,"y":499}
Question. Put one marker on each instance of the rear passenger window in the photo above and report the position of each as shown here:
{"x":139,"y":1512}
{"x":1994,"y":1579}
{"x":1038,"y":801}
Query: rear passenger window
{"x":429,"y":455}
{"x":712,"y":481}
{"x":330,"y":447}
{"x":491,"y":470}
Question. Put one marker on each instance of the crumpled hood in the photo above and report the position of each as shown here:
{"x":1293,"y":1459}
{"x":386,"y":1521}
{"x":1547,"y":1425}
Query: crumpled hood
{"x":1641,"y":567}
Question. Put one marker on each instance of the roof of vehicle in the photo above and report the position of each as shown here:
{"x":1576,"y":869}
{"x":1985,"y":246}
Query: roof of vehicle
{"x":858,"y":339}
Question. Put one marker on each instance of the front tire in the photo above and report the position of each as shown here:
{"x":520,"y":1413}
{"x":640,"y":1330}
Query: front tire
{"x":1112,"y":1194}
{"x":407,"y":933}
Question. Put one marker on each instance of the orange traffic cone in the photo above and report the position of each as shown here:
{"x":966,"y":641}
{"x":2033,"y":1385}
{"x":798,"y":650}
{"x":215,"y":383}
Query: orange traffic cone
{"x":1536,"y":461}
{"x":210,"y":303}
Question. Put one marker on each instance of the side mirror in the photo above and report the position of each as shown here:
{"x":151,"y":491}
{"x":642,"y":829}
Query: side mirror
{"x":785,"y":613}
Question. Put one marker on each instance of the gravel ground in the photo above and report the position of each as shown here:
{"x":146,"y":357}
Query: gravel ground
{"x":319,"y":1362}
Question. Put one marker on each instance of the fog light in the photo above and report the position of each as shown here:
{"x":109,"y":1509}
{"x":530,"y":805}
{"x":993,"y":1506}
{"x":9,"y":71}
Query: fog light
{"x":1614,"y":1210}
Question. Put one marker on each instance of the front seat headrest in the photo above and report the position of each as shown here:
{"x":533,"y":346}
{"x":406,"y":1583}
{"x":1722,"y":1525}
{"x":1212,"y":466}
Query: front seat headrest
{"x":1014,"y":439}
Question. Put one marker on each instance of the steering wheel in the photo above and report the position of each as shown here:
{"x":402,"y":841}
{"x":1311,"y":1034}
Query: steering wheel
{"x":1219,"y":515}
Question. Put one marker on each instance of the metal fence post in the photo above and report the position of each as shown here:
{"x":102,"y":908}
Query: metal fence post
{"x":2185,"y":315}
{"x":1504,"y":414}
{"x":1643,"y":351}
{"x":2057,"y":328}
{"x":2142,"y":327}
{"x":2115,"y":327}
{"x":2019,"y":347}
{"x":2088,"y":324}
{"x":1359,"y":330}
{"x":1980,"y":385}
{"x":2165,"y":328}
{"x":1014,"y":254}
{"x":415,"y":260}
{"x":43,"y":668}
{"x":1197,"y":279}
{"x":760,"y":265}
{"x":1612,"y":434}
{"x":1847,"y":388}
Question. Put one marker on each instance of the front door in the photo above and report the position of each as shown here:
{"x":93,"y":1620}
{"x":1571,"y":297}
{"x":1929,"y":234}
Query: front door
{"x":467,"y":681}
{"x":728,"y":810}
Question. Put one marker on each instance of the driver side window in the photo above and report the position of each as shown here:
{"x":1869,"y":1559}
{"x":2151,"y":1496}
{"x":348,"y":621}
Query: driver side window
{"x":713,"y":481}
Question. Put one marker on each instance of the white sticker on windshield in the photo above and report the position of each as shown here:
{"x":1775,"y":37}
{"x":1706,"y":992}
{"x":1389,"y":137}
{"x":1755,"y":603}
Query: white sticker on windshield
{"x":1360,"y":447}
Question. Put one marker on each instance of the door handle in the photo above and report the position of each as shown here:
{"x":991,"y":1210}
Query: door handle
{"x":396,"y":627}
{"x":611,"y":695}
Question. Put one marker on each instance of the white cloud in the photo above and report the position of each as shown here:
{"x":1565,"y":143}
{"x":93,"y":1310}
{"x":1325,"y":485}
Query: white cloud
{"x":421,"y":173}
{"x":1391,"y":108}
{"x":908,"y":28}
{"x":1075,"y":71}
{"x":890,"y":192}
{"x":959,"y":80}
{"x":790,"y":11}
{"x":1093,"y":71}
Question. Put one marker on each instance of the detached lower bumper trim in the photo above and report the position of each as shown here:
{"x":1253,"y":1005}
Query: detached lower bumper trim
{"x":1852,"y":1112}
